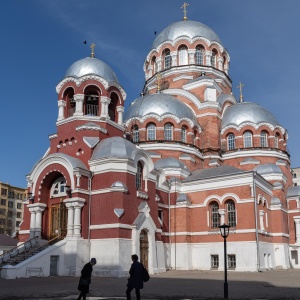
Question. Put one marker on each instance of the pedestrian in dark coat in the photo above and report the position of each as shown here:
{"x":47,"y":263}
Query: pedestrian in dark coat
{"x":85,"y":279}
{"x":135,"y":281}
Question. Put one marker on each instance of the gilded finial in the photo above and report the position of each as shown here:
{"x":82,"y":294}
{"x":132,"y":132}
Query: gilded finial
{"x":184,"y":6}
{"x":240,"y":86}
{"x":93,"y":48}
{"x":158,"y":78}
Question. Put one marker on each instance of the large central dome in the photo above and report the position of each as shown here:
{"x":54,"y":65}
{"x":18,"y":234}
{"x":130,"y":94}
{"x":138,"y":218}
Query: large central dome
{"x":190,"y":29}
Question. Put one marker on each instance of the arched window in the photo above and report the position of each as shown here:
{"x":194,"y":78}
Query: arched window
{"x":231,"y":214}
{"x":182,"y":56}
{"x":91,"y":102}
{"x":231,"y":141}
{"x":168,"y":132}
{"x":276,"y":141}
{"x":247,"y":139}
{"x":58,"y":187}
{"x":263,"y":139}
{"x":135,"y":134}
{"x":167,"y":59}
{"x":214,"y":58}
{"x":139,"y":176}
{"x":154,"y":64}
{"x":199,"y":55}
{"x":214,"y":214}
{"x":183,"y":134}
{"x":151,"y":132}
{"x":112,"y":111}
{"x":71,"y":104}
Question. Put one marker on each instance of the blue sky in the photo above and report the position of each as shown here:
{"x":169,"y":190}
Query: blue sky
{"x":40,"y":39}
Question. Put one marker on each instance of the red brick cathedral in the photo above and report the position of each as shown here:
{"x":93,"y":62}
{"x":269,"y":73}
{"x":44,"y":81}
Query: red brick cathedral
{"x":159,"y":179}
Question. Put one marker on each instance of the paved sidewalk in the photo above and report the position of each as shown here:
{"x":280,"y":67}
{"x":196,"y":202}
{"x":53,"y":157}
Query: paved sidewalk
{"x":281,"y":284}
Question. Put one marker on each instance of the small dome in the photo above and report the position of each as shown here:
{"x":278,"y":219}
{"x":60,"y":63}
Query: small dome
{"x":268,"y":169}
{"x":169,"y":162}
{"x":158,"y":104}
{"x":247,"y":112}
{"x":190,"y":29}
{"x":275,"y":201}
{"x":114,"y":147}
{"x":91,"y":66}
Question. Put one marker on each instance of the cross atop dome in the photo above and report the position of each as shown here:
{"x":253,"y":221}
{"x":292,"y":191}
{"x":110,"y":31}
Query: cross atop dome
{"x":240,"y":87}
{"x":93,"y":48}
{"x":184,"y":6}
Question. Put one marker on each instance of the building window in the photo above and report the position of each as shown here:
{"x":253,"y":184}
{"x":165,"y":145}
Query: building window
{"x":18,"y":224}
{"x":214,"y":213}
{"x":9,"y":213}
{"x":182,"y":56}
{"x":151,"y":132}
{"x":214,"y":59}
{"x":91,"y":104}
{"x":199,"y":56}
{"x":154,"y":64}
{"x":10,"y":204}
{"x":58,"y":187}
{"x":2,"y":211}
{"x":3,"y":192}
{"x":2,"y":221}
{"x":231,"y":141}
{"x":9,"y":223}
{"x":183,"y":134}
{"x":231,"y":214}
{"x":19,"y":205}
{"x":11,"y":195}
{"x":247,"y":139}
{"x":135,"y":134}
{"x":167,"y":59}
{"x":3,"y":202}
{"x":263,"y":139}
{"x":231,"y":261}
{"x":214,"y":261}
{"x":139,"y":176}
{"x":276,"y":140}
{"x":168,"y":132}
{"x":19,"y":215}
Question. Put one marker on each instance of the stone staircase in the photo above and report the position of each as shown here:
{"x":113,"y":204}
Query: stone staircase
{"x":25,"y":251}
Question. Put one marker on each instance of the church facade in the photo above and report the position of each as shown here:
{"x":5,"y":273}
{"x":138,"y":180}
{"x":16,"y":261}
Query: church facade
{"x":159,"y":179}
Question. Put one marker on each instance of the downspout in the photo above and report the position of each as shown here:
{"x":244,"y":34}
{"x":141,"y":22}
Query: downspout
{"x":169,"y":221}
{"x":256,"y":223}
{"x":90,"y":204}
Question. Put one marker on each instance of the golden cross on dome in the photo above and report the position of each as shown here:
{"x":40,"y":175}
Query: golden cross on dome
{"x":240,"y":86}
{"x":184,"y":6}
{"x":158,"y":78}
{"x":93,"y":48}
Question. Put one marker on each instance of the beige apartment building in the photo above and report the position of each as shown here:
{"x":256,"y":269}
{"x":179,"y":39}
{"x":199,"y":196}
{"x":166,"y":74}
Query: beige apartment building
{"x":11,"y":208}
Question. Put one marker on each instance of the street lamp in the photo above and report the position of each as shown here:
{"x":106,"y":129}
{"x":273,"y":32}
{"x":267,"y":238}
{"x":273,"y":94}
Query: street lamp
{"x":224,"y":229}
{"x":68,"y":191}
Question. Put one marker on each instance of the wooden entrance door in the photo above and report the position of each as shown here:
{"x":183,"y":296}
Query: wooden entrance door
{"x":144,"y":248}
{"x":58,"y":220}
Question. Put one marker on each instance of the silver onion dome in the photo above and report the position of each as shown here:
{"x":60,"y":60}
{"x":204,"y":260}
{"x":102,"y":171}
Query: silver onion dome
{"x":91,"y":66}
{"x":158,"y":104}
{"x":190,"y":29}
{"x":247,"y":112}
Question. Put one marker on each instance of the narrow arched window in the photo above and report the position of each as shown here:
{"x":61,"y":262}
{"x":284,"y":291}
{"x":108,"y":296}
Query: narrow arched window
{"x":168,"y":132}
{"x":214,"y":214}
{"x":154,"y":64}
{"x":183,"y":134}
{"x":182,"y":56}
{"x":167,"y":59}
{"x":91,"y":103}
{"x":276,"y":141}
{"x":231,"y":141}
{"x":199,"y":56}
{"x":151,"y":132}
{"x":112,"y":111}
{"x":135,"y":134}
{"x":263,"y":139}
{"x":231,"y":213}
{"x":247,"y":139}
{"x":214,"y":58}
{"x":139,"y":175}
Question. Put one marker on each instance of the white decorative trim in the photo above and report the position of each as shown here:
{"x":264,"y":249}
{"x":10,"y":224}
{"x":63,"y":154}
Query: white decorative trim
{"x":52,"y":136}
{"x":87,"y":127}
{"x":180,"y":77}
{"x":119,"y":212}
{"x":110,"y":226}
{"x":142,"y":195}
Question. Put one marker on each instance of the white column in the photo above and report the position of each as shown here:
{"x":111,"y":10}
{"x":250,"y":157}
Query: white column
{"x":158,"y":62}
{"x":120,"y":110}
{"x":191,"y":56}
{"x":70,"y":226}
{"x":61,"y":105}
{"x":32,"y":220}
{"x":261,"y":220}
{"x":78,"y":98}
{"x":220,"y":63}
{"x":208,"y":58}
{"x":174,"y":58}
{"x":222,"y":215}
{"x":104,"y":107}
{"x":36,"y":210}
{"x":297,"y":228}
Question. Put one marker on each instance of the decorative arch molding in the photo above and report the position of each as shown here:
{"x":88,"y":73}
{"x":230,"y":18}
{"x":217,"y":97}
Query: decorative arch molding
{"x":93,"y":84}
{"x":255,"y":126}
{"x":119,"y":95}
{"x":221,"y":199}
{"x":71,"y":164}
{"x":67,"y":87}
{"x":140,"y":155}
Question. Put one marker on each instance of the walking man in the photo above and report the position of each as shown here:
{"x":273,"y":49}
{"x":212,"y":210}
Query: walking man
{"x":135,"y":281}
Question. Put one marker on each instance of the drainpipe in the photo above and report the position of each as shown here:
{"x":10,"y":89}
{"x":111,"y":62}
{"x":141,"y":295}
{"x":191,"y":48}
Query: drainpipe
{"x":169,"y":211}
{"x":256,"y":223}
{"x":90,"y":204}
